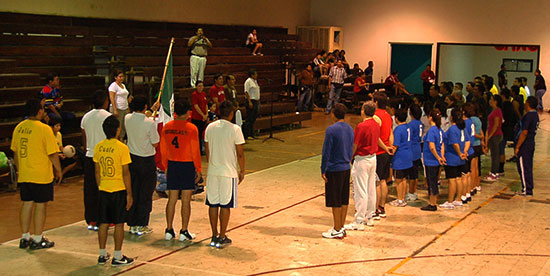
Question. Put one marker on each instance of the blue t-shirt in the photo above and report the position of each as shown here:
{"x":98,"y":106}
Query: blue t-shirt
{"x":469,"y":132}
{"x":434,"y":135}
{"x":402,"y":158}
{"x":337,"y":148}
{"x":417,"y":128}
{"x":529,"y":122}
{"x":454,"y":135}
{"x":477,"y":124}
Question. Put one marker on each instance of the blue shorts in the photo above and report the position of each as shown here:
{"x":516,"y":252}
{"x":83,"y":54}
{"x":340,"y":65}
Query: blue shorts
{"x":181,"y":176}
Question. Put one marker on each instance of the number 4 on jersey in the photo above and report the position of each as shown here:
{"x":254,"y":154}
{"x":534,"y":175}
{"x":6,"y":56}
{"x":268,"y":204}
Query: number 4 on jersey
{"x":175,"y":142}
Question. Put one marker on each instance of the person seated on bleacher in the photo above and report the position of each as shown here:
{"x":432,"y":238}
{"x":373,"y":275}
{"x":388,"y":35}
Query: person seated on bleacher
{"x":54,"y":101}
{"x":360,"y":86}
{"x":198,"y":50}
{"x":318,"y":63}
{"x":306,"y":86}
{"x":393,"y":86}
{"x":254,"y":44}
{"x":342,"y":57}
{"x":356,"y":71}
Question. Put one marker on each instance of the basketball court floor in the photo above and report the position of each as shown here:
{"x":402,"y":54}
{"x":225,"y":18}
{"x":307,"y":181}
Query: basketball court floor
{"x":276,"y":229}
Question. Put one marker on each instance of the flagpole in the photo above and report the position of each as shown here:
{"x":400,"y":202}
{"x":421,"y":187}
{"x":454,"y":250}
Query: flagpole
{"x":164,"y":74}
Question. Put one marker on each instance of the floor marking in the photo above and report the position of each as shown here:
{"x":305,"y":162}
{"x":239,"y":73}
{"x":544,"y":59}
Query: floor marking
{"x":310,"y":134}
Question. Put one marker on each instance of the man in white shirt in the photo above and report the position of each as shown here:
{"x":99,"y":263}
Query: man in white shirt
{"x":92,"y":133}
{"x":225,"y":156}
{"x":252,"y":94}
{"x":143,"y":138}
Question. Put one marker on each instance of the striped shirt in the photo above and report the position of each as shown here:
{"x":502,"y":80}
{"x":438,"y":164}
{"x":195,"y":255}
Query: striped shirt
{"x":337,"y":74}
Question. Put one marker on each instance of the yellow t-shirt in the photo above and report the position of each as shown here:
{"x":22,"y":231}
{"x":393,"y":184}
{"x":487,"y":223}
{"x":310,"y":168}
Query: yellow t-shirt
{"x":111,"y":155}
{"x":494,"y":90}
{"x":523,"y":93}
{"x":33,"y":141}
{"x":59,"y":139}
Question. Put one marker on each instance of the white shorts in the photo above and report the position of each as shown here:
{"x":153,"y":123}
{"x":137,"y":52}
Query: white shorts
{"x":221,"y":191}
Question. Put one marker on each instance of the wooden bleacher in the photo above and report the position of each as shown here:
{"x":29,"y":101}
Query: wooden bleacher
{"x":78,"y":49}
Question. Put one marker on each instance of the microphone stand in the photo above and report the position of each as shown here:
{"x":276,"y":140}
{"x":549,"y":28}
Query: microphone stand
{"x":271,"y":117}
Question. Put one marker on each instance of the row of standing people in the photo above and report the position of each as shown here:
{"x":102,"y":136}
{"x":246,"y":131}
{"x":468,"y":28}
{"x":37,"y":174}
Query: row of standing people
{"x":375,"y":148}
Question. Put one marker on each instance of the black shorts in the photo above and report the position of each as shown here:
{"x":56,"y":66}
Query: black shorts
{"x":417,"y":166}
{"x":112,"y":207}
{"x":478,"y":151}
{"x":467,"y":167}
{"x":400,"y":174}
{"x":453,"y":171}
{"x":38,"y":193}
{"x":383,"y":166}
{"x":66,"y":162}
{"x":337,"y":188}
{"x":252,"y":45}
{"x":432,"y":178}
{"x":181,"y":176}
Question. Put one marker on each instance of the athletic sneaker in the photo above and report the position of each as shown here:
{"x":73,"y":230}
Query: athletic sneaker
{"x":103,"y":259}
{"x":214,"y":241}
{"x":123,"y":261}
{"x":447,"y":205}
{"x":143,"y":230}
{"x":169,"y":234}
{"x":369,"y":222}
{"x":490,"y":178}
{"x":376,"y":215}
{"x":478,"y":188}
{"x":186,"y":235}
{"x":333,"y":234}
{"x":473,"y":192}
{"x":464,"y":199}
{"x":457,"y":203}
{"x":24,"y":243}
{"x":355,"y":226}
{"x":395,"y":202}
{"x":468,"y":197}
{"x":44,"y":243}
{"x":343,"y":230}
{"x":221,"y":243}
{"x":411,"y":197}
{"x":429,"y":208}
{"x":382,"y":212}
{"x":134,"y":230}
{"x":402,"y":203}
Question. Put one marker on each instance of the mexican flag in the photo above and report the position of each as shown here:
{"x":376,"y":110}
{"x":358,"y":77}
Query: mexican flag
{"x":167,"y":96}
{"x":166,"y":105}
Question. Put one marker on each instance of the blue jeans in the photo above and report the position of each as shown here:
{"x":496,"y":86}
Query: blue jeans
{"x":539,"y":93}
{"x":334,"y":95}
{"x":304,"y":101}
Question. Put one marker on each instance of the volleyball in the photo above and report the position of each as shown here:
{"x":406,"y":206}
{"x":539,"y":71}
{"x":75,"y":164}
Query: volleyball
{"x":69,"y":151}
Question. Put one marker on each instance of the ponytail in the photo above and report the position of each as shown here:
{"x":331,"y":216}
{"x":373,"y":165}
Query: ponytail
{"x":436,"y":117}
{"x":457,"y":118}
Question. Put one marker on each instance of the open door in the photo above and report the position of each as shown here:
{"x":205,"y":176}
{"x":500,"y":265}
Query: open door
{"x":410,"y":61}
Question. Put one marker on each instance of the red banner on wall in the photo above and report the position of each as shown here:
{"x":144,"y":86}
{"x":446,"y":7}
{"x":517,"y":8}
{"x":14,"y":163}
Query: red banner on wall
{"x":517,"y":48}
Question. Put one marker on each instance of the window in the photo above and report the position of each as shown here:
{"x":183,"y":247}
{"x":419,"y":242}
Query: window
{"x":518,"y":65}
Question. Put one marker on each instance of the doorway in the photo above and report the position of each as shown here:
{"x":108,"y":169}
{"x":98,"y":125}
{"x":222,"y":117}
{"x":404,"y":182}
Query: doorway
{"x":410,"y":61}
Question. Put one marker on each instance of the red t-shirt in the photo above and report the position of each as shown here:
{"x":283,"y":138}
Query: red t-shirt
{"x":217,"y":92}
{"x":385,"y":128}
{"x":366,"y":137}
{"x":356,"y":87}
{"x":200,"y":100}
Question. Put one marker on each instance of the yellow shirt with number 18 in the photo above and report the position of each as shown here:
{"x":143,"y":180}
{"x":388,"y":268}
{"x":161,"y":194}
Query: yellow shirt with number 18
{"x":111,"y":155}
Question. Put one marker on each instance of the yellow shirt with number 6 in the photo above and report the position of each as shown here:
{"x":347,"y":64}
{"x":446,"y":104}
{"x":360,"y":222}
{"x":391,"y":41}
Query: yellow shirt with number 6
{"x":33,"y":141}
{"x":111,"y":155}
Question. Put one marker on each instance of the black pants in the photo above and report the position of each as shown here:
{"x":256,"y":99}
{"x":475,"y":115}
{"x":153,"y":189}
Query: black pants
{"x":201,"y":125}
{"x":91,"y":192}
{"x":251,"y":115}
{"x":144,"y":180}
{"x":426,"y":87}
{"x":525,"y":169}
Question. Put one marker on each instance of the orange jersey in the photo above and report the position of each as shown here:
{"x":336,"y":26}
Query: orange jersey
{"x":179,"y":141}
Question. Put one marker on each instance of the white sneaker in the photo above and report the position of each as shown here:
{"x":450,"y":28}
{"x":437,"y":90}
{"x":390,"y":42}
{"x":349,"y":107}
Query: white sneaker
{"x":133,"y":230}
{"x":333,"y":234}
{"x":354,"y":226}
{"x":478,"y":188}
{"x":447,"y":205}
{"x":186,"y":235}
{"x":402,"y":203}
{"x":395,"y":202}
{"x":457,"y":203}
{"x":369,"y":222}
{"x":413,"y":197}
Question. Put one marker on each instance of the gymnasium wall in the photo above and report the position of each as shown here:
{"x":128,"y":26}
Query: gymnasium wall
{"x":369,"y":25}
{"x":285,"y":13}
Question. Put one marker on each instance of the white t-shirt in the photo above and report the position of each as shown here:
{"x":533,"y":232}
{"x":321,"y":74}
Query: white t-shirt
{"x":250,"y":37}
{"x":222,"y":136}
{"x":252,"y":88}
{"x":142,"y":134}
{"x":92,"y":124}
{"x":121,"y":95}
